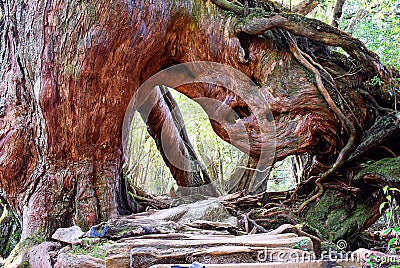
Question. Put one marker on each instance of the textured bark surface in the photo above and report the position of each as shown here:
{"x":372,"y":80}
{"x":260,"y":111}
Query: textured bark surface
{"x":69,"y":70}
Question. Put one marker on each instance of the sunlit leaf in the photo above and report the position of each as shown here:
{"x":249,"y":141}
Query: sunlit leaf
{"x":385,"y":189}
{"x":392,"y":241}
{"x":388,"y":230}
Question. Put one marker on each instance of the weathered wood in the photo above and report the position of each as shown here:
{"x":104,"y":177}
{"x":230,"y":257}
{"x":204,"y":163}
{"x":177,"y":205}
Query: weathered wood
{"x":142,"y":252}
{"x":120,"y":228}
{"x":210,"y":225}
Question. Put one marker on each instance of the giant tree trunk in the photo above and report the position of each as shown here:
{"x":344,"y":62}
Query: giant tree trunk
{"x":70,"y":68}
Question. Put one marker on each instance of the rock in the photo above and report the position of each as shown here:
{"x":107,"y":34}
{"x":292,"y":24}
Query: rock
{"x":66,"y":260}
{"x":39,"y":256}
{"x":69,"y":235}
{"x":165,"y":221}
{"x":206,"y":210}
{"x":65,"y":249}
{"x":120,"y":228}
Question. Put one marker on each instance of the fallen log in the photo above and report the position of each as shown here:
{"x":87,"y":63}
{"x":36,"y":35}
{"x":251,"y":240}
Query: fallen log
{"x":142,"y":252}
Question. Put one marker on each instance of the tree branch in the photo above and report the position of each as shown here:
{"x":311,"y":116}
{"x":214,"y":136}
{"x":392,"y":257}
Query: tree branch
{"x":305,"y":7}
{"x":361,"y":13}
{"x":314,"y":30}
{"x":230,"y":6}
{"x":337,"y":12}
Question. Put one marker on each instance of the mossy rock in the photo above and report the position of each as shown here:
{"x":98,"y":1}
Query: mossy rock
{"x":387,"y":169}
{"x":337,"y":217}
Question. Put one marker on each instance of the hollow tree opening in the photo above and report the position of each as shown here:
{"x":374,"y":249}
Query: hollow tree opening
{"x":146,"y":168}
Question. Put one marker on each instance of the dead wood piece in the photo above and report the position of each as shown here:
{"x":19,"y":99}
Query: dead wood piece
{"x":207,"y":249}
{"x":152,"y":202}
{"x":288,"y":228}
{"x":224,"y":255}
{"x":341,"y":186}
{"x":270,"y":241}
{"x":119,"y":228}
{"x":210,"y":225}
{"x":230,"y":197}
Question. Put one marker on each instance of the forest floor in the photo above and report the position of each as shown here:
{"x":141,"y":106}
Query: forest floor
{"x":195,"y":230}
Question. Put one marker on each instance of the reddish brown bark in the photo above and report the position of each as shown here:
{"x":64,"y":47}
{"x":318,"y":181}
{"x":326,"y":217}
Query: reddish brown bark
{"x":70,"y":69}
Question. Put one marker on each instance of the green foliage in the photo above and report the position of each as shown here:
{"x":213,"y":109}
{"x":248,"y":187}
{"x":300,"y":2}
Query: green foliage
{"x":33,"y":240}
{"x":375,"y":81}
{"x":323,"y":11}
{"x":25,"y":264}
{"x":92,"y":248}
{"x":379,"y":29}
{"x":392,"y":228}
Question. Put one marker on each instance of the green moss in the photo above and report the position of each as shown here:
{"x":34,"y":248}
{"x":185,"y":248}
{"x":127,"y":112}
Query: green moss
{"x":336,"y":218}
{"x":326,"y":246}
{"x":90,"y":248}
{"x":229,"y":13}
{"x":33,"y":240}
{"x":25,"y":264}
{"x":311,"y":77}
{"x":10,"y":230}
{"x":344,"y":224}
{"x":387,"y":168}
